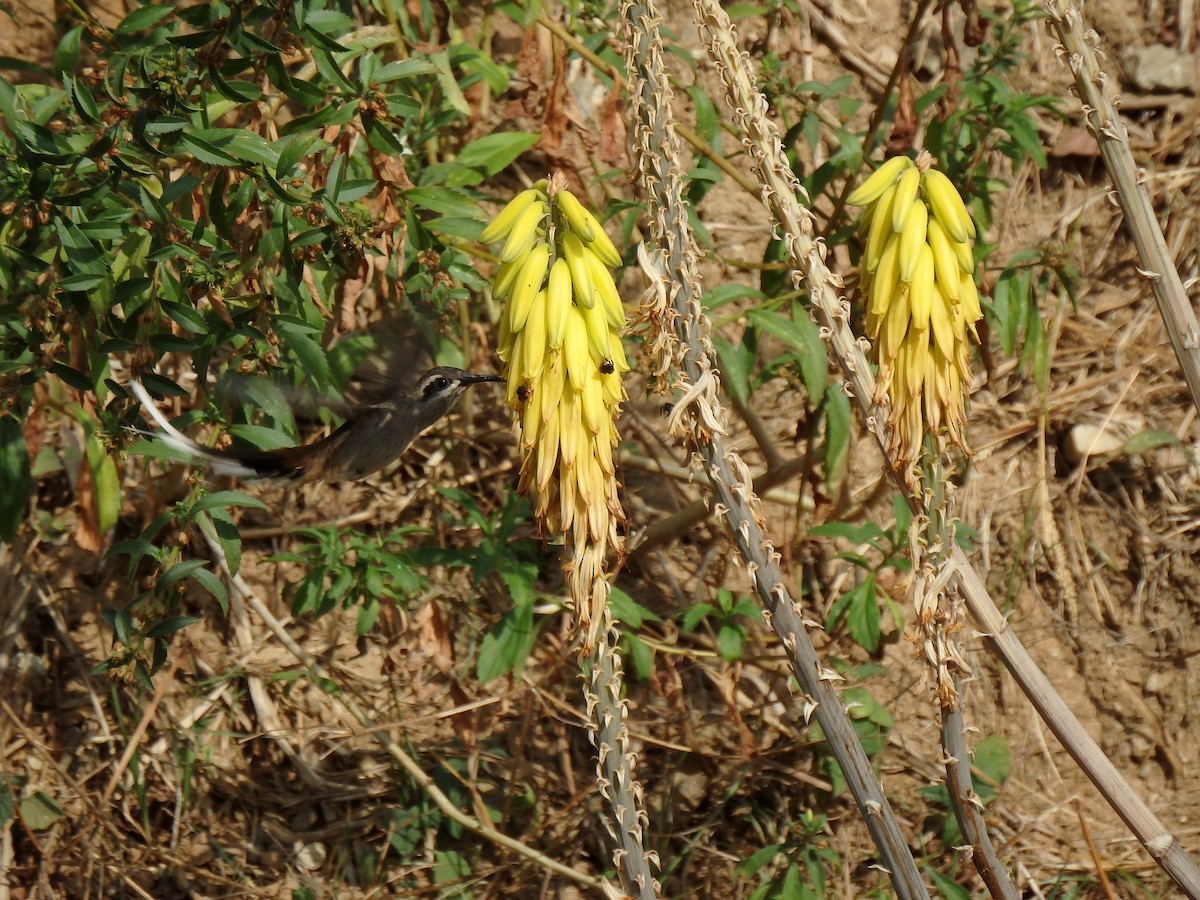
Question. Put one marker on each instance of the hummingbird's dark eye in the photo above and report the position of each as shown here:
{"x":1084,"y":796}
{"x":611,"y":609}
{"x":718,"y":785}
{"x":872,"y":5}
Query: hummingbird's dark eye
{"x":437,"y":386}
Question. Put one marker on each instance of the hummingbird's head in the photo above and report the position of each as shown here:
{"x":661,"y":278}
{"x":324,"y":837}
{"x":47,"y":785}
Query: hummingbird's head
{"x":440,"y":387}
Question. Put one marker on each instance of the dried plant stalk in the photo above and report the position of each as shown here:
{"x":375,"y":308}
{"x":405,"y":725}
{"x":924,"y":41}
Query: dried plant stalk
{"x":1100,"y":115}
{"x":606,"y":717}
{"x":679,"y":338}
{"x":807,"y":256}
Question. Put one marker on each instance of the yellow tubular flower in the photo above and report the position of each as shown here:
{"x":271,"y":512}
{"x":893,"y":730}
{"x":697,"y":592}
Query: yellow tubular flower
{"x":559,"y":338}
{"x":919,"y":294}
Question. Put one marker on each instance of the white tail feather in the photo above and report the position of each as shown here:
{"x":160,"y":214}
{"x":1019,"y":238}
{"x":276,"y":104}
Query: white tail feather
{"x":181,"y":443}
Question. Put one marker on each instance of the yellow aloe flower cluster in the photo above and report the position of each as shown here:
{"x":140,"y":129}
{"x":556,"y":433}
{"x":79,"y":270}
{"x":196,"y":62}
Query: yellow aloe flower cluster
{"x":918,"y":278}
{"x":561,"y":346}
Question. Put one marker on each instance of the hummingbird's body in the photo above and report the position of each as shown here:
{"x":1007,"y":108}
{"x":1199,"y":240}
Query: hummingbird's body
{"x":372,"y":437}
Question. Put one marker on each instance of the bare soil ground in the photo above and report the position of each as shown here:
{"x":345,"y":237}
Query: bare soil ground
{"x":239,"y":777}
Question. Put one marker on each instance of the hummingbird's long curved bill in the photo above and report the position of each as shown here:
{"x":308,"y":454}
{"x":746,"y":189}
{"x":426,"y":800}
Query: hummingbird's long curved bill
{"x":372,"y":437}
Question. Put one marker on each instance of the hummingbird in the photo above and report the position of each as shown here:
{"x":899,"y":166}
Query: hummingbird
{"x":373,"y":436}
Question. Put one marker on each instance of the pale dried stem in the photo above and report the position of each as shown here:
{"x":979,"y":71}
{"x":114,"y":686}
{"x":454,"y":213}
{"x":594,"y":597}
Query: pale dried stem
{"x":1158,"y":268}
{"x":939,"y":619}
{"x":807,"y":254}
{"x":606,"y":717}
{"x":681,"y":337}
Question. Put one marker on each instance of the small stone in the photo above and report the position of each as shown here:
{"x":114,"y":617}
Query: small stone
{"x":1162,"y":69}
{"x":311,"y":856}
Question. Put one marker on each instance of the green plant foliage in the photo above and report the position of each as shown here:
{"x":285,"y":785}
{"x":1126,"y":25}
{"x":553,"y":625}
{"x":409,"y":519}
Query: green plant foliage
{"x":185,"y":188}
{"x":353,"y":570}
{"x":726,"y":617}
{"x":858,"y":608}
{"x":632,"y":616}
{"x":991,"y":765}
{"x":796,"y":869}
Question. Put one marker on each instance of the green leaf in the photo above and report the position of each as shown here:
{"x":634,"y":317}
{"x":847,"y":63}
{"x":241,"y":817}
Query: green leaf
{"x":297,"y":335}
{"x":862,"y":615}
{"x":803,"y":337}
{"x":39,"y":812}
{"x":494,"y":152}
{"x":445,"y":201}
{"x":948,"y":887}
{"x":759,"y":858}
{"x":234,"y":144}
{"x":174,"y":623}
{"x":227,"y":498}
{"x":737,"y":366}
{"x":1150,"y":440}
{"x":507,"y":644}
{"x":7,"y":805}
{"x":453,"y":95}
{"x":721,"y":294}
{"x":145,"y":17}
{"x":838,"y":421}
{"x":208,"y":580}
{"x":862,"y":533}
{"x":262,"y":437}
{"x":206,"y":152}
{"x":694,"y":615}
{"x":179,"y":571}
{"x":639,"y":656}
{"x":66,"y":55}
{"x":106,"y":484}
{"x":628,"y":611}
{"x":731,"y":639}
{"x":405,"y":68}
{"x":290,"y":150}
{"x":992,"y":759}
{"x":15,"y":477}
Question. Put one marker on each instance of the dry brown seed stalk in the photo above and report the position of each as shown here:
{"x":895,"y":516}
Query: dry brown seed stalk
{"x":807,"y":256}
{"x":673,"y":285}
